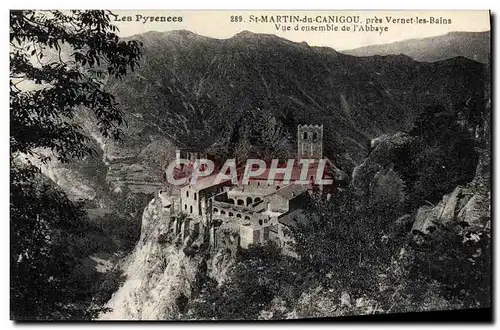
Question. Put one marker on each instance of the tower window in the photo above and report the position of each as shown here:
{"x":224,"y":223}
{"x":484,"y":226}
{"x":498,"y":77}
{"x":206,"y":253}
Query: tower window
{"x":315,"y":136}
{"x":187,"y":193}
{"x":305,"y":135}
{"x":194,"y":196}
{"x":191,"y":209}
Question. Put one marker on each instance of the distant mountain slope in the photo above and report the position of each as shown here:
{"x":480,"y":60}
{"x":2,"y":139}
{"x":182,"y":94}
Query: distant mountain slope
{"x":197,"y":90}
{"x":472,"y":45}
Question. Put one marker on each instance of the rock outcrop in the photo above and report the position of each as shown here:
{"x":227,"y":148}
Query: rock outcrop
{"x":379,"y":160}
{"x":462,"y":207}
{"x":163,"y":271}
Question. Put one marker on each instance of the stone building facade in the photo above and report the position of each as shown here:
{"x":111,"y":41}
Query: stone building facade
{"x":231,"y":216}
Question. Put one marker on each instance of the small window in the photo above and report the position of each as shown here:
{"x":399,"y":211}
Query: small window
{"x":277,"y":187}
{"x":187,"y":193}
{"x":315,"y":136}
{"x":305,"y":135}
{"x":185,"y":207}
{"x":194,"y":196}
{"x":191,"y":209}
{"x":260,"y":222}
{"x":231,"y":214}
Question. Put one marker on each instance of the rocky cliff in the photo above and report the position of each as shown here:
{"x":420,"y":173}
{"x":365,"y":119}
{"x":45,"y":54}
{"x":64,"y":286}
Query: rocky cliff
{"x":163,"y":271}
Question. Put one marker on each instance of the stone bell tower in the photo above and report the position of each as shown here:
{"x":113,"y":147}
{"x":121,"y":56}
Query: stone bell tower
{"x":310,"y":141}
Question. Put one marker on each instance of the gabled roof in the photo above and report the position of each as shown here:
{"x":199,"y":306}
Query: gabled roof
{"x":291,"y":218}
{"x":290,"y":191}
{"x":204,"y":182}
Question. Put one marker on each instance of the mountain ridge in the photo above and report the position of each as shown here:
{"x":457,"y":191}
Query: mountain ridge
{"x":309,"y":84}
{"x":473,"y":45}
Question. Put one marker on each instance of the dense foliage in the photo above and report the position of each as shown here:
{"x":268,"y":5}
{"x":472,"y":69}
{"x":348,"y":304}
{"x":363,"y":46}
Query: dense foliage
{"x":59,"y":62}
{"x":441,"y":156}
{"x":50,"y":236}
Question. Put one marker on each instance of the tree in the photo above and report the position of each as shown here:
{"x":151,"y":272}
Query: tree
{"x":59,"y":65}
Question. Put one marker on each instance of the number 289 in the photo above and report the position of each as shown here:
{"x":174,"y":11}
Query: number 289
{"x":237,"y":19}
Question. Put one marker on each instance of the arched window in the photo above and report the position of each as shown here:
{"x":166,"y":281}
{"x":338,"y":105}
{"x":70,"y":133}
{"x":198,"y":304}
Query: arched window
{"x":305,"y":135}
{"x":247,"y":217}
{"x":230,"y":201}
{"x":187,"y":193}
{"x":238,"y":215}
{"x":315,"y":136}
{"x":257,"y":199}
{"x":258,"y":183}
{"x":260,"y":222}
{"x":249,"y":200}
{"x":222,"y":212}
{"x":185,"y":207}
{"x":231,"y":214}
{"x":190,"y":208}
{"x":215,"y":210}
{"x":241,"y":202}
{"x":277,"y":187}
{"x":194,"y":196}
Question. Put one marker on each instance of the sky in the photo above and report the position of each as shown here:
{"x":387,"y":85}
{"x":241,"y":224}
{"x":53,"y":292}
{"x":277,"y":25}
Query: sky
{"x":217,"y":24}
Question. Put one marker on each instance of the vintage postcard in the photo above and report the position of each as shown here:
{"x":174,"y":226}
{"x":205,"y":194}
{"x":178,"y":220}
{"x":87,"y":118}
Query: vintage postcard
{"x":250,"y":165}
